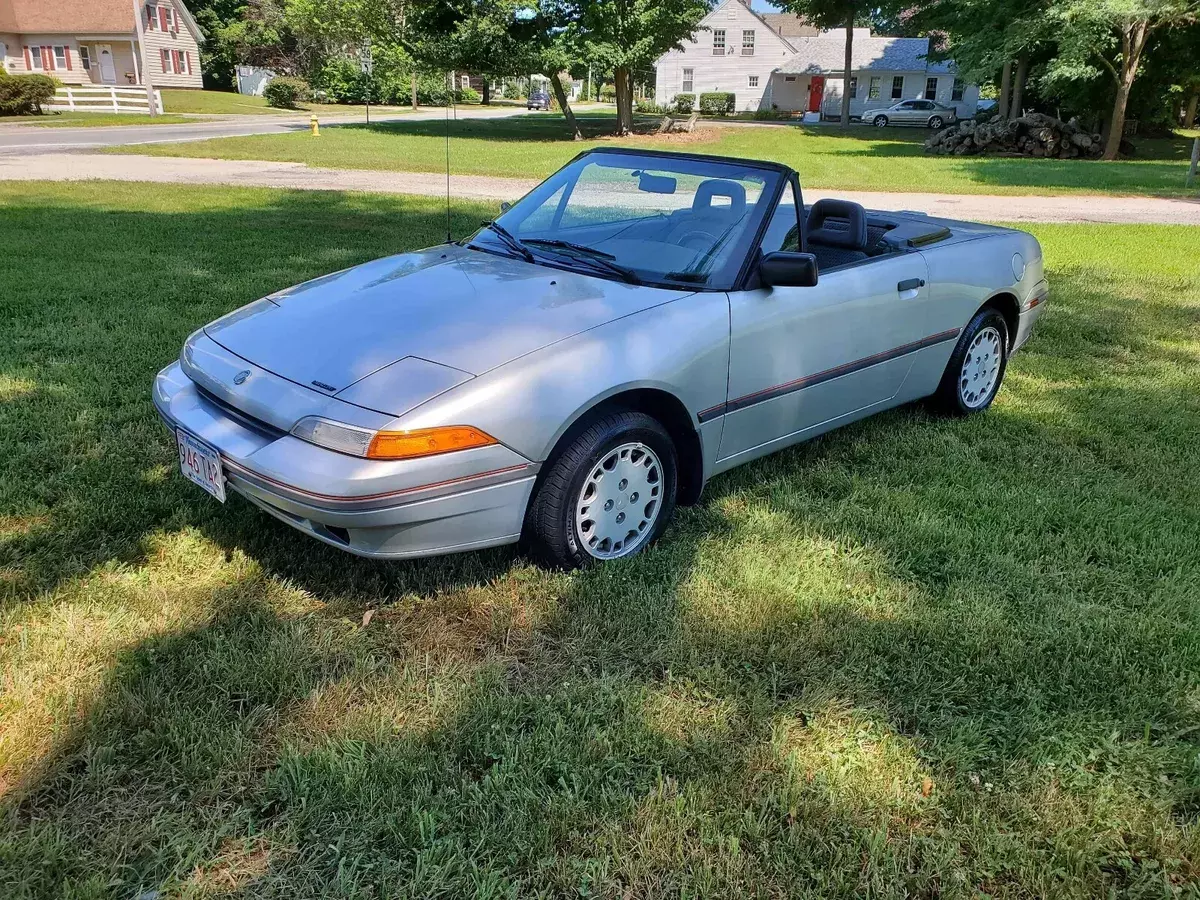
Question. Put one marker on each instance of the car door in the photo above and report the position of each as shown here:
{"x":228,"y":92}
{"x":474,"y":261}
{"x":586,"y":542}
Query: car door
{"x":802,"y":359}
{"x":905,"y":113}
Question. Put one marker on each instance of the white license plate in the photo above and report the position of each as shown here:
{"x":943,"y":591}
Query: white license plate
{"x":201,"y":464}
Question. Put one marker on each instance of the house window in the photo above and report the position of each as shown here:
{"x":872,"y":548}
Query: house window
{"x":748,"y":42}
{"x":957,"y":92}
{"x":789,"y":77}
{"x":164,"y":18}
{"x":151,"y":17}
{"x":718,"y":42}
{"x":930,"y":88}
{"x":466,"y":82}
{"x":897,"y":87}
{"x":873,"y":91}
{"x":853,"y":87}
{"x":687,"y":81}
{"x":751,"y":81}
{"x":35,"y":54}
{"x":85,"y":58}
{"x":60,"y":57}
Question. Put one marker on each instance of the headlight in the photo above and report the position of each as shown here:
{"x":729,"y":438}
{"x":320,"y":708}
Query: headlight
{"x":389,"y":444}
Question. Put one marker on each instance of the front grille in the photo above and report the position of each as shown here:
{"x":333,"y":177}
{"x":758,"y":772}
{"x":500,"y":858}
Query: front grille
{"x":256,"y":425}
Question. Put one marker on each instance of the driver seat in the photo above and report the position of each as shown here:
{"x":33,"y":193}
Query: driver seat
{"x":832,"y":242}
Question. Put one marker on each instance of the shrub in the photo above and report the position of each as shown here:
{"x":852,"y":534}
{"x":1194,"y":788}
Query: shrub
{"x":23,"y":95}
{"x":608,"y":93}
{"x":718,"y":103}
{"x":466,"y":95}
{"x":512,"y":90}
{"x":650,"y":108}
{"x":285,"y":92}
{"x":684,"y":103}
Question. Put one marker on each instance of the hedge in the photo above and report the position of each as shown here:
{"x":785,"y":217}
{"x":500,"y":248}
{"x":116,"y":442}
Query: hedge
{"x":23,"y":95}
{"x":684,"y":103}
{"x":718,"y":103}
{"x":284,"y":92}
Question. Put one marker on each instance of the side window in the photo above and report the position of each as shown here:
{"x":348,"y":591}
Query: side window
{"x":873,"y":90}
{"x":783,"y":232}
{"x":897,"y":87}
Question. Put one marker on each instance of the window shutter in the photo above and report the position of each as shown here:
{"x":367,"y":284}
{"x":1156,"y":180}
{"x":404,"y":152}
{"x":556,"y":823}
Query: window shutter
{"x":166,"y":60}
{"x":175,"y":62}
{"x":28,"y":60}
{"x":67,"y":55}
{"x":149,"y":17}
{"x":48,"y":59}
{"x":162,"y":18}
{"x":187,"y":56}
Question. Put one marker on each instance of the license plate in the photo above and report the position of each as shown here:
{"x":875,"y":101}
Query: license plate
{"x":201,"y":464}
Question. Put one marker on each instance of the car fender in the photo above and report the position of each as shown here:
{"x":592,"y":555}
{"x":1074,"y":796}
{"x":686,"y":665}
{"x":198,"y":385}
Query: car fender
{"x":680,"y":348}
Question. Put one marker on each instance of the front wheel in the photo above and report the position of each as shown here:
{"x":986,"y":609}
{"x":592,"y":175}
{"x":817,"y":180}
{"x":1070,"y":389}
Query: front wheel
{"x":880,"y":122}
{"x":976,"y":367}
{"x":936,"y":122}
{"x":608,"y":495}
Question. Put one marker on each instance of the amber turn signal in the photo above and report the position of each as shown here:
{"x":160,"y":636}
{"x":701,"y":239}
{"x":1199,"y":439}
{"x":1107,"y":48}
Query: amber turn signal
{"x":426,"y":442}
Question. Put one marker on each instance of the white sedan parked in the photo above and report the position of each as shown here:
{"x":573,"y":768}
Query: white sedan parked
{"x":927,"y":113}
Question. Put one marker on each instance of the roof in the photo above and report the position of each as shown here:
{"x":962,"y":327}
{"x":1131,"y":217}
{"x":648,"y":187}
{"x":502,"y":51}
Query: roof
{"x":76,"y":17}
{"x":822,"y":55}
{"x":788,"y":25}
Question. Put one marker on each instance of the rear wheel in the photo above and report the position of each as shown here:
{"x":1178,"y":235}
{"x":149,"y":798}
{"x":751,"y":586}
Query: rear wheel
{"x":976,"y":367}
{"x":607,"y":495}
{"x":880,"y":122}
{"x":935,"y":122}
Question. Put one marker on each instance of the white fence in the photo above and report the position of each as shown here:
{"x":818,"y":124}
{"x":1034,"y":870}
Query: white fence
{"x":104,"y":99}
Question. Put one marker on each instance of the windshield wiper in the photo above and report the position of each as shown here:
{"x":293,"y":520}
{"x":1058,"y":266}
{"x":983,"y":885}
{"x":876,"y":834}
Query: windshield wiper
{"x":600,"y":258}
{"x":509,"y":241}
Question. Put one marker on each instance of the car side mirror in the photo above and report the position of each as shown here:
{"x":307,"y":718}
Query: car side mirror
{"x":784,"y":268}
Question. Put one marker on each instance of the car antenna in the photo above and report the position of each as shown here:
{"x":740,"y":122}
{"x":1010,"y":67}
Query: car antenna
{"x":450,"y":102}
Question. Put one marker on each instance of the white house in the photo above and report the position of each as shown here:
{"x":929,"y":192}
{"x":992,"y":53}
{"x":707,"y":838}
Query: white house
{"x":796,"y":69}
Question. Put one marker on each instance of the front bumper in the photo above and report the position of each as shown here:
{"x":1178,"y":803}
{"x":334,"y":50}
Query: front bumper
{"x":380,"y":509}
{"x":1031,"y":310}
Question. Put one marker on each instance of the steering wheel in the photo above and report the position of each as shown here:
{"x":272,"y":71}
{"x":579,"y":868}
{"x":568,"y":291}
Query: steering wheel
{"x":697,"y":239}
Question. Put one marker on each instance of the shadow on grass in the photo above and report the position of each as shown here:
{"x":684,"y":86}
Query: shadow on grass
{"x":1003,"y":606}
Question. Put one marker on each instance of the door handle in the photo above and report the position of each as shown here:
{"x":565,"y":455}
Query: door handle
{"x":910,"y":284}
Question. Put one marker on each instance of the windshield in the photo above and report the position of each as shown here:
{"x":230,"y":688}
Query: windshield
{"x":671,"y":221}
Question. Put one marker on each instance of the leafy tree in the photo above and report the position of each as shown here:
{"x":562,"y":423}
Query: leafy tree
{"x":834,"y":14}
{"x":623,"y":36}
{"x":1113,"y":34}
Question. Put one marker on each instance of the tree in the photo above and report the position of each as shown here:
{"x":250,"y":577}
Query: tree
{"x":625,"y":36}
{"x":834,"y":14}
{"x":1114,"y":34}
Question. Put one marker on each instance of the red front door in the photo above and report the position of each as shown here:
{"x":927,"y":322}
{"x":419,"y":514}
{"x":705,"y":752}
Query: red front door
{"x":816,"y":91}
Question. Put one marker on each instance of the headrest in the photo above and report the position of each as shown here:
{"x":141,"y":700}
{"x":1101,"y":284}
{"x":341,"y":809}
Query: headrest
{"x":853,"y":238}
{"x":718,"y":187}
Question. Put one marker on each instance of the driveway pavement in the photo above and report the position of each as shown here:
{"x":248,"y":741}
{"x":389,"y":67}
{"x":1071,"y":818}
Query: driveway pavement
{"x":20,"y":139}
{"x":176,"y":170}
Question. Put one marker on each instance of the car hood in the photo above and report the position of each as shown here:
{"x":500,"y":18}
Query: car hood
{"x":467,"y":310}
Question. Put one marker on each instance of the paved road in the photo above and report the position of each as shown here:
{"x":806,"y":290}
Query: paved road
{"x":176,"y":170}
{"x":16,"y":139}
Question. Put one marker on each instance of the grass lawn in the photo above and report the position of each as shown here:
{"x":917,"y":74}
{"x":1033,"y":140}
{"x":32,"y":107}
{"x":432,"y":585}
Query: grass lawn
{"x":96,"y":119}
{"x":862,"y":159}
{"x":226,"y":103}
{"x":916,"y":657}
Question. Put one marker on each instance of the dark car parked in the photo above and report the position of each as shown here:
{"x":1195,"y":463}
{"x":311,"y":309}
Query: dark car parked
{"x":538,"y":100}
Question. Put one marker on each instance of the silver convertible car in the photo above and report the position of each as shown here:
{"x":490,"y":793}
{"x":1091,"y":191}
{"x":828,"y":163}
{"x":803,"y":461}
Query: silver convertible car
{"x":633,"y":326}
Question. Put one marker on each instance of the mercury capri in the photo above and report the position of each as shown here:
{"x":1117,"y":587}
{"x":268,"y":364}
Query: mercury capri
{"x":566,"y":376}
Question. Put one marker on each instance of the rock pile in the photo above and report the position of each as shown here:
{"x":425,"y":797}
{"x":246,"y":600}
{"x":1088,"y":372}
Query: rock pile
{"x":1030,"y":135}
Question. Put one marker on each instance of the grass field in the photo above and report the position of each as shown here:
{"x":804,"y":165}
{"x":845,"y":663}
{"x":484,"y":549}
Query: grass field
{"x":915,"y":657}
{"x":226,"y":103}
{"x":96,"y":119}
{"x":863,"y":159}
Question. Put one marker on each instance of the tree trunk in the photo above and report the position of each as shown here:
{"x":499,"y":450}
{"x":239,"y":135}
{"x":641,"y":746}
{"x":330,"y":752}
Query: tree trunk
{"x":414,"y":90}
{"x":1005,"y":88}
{"x":565,"y":105}
{"x":1189,"y":114}
{"x":846,"y":69}
{"x":624,"y":100}
{"x":1018,"y":95}
{"x":1133,"y":41}
{"x":487,"y":92}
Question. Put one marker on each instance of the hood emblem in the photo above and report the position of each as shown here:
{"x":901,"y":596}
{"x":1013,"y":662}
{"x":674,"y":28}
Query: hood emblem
{"x":241,"y":376}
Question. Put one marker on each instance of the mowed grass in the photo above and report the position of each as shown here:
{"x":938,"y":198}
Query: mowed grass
{"x":94,"y":119}
{"x":862,"y":159}
{"x":914,"y":657}
{"x":227,"y":103}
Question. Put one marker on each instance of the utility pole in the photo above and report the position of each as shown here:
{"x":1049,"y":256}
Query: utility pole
{"x":368,"y":66}
{"x":140,"y":29}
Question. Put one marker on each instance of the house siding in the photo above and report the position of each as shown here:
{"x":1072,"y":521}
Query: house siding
{"x":183,"y":41}
{"x":914,"y":89}
{"x":16,"y":56}
{"x":724,"y":73}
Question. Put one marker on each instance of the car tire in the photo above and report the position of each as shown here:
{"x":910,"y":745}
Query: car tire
{"x":976,"y":368}
{"x":572,"y":492}
{"x":935,"y":122}
{"x":880,"y":121}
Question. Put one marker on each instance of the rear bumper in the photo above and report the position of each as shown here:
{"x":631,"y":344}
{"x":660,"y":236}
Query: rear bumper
{"x":384,"y":510}
{"x":1031,"y":310}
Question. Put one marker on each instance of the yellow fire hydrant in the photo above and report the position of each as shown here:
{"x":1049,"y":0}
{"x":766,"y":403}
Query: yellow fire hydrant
{"x":314,"y":126}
